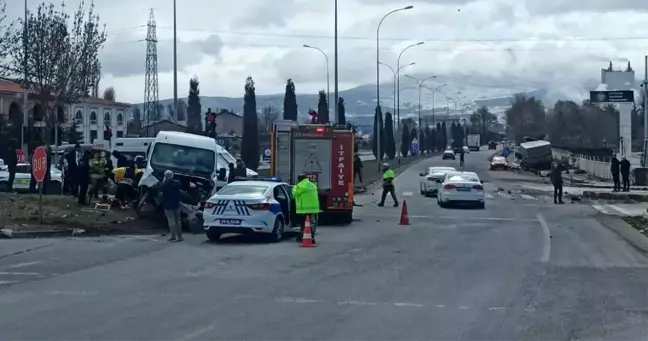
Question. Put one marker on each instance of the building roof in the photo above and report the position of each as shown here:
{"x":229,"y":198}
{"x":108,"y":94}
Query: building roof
{"x":181,"y":124}
{"x":227,"y":112}
{"x":9,"y":86}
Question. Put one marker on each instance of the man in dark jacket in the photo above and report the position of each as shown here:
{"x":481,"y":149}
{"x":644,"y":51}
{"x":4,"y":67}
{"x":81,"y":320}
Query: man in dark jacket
{"x":231,"y":176}
{"x":624,"y":166}
{"x":170,"y":189}
{"x":121,"y":159}
{"x":11,"y":161}
{"x":614,"y":169}
{"x":72,"y":160}
{"x":240,"y":169}
{"x":357,"y":167}
{"x":83,"y":177}
{"x":557,"y":181}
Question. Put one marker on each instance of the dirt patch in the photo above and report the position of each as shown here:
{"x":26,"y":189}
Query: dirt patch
{"x":20,"y":213}
{"x":640,"y":223}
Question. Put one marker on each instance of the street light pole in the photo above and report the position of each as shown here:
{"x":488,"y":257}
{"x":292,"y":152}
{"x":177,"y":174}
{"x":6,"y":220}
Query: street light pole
{"x":378,"y":76}
{"x":394,"y":83}
{"x":175,"y":65}
{"x":328,"y":76}
{"x":420,"y":86}
{"x":433,"y":103}
{"x":25,"y":119}
{"x":337,"y":94}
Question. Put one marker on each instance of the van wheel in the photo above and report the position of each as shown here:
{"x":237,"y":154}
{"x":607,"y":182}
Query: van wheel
{"x":278,"y":230}
{"x":213,"y":235}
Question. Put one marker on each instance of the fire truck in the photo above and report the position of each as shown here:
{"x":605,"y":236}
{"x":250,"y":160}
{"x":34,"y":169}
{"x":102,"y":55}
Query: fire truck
{"x":324,"y":152}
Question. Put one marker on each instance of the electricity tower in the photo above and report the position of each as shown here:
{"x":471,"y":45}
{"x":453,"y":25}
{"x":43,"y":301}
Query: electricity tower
{"x":151,"y":107}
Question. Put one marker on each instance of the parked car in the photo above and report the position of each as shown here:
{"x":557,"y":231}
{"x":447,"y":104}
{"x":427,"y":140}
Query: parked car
{"x":499,"y":162}
{"x":3,"y":167}
{"x":23,"y":177}
{"x":462,"y":187}
{"x":448,"y":154}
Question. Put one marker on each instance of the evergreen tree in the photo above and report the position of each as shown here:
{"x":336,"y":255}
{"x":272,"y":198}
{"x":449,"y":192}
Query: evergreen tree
{"x":439,"y":137}
{"x":342,"y":112}
{"x":250,"y":142}
{"x":72,"y":135}
{"x":460,"y":135}
{"x":431,"y":137}
{"x":414,"y":135}
{"x":194,"y":109}
{"x":390,"y":143}
{"x":378,"y":124}
{"x":134,"y":126}
{"x":322,"y":108}
{"x":405,"y":141}
{"x":422,"y":141}
{"x":290,"y":102}
{"x":444,"y":135}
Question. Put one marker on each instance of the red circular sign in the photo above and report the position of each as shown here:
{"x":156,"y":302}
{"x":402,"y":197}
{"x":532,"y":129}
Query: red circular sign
{"x":39,"y":164}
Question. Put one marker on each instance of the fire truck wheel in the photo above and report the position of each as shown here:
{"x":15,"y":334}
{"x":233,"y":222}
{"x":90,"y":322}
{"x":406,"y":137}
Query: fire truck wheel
{"x":346,"y":217}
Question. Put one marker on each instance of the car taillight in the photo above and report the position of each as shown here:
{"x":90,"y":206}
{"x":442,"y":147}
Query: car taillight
{"x":449,"y":186}
{"x":208,"y":205}
{"x":478,"y":187}
{"x":259,"y":207}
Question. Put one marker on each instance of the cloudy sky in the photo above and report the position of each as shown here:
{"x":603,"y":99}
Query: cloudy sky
{"x":524,"y":42}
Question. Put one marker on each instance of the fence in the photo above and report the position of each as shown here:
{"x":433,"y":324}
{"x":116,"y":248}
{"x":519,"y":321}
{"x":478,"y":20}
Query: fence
{"x":593,"y":165}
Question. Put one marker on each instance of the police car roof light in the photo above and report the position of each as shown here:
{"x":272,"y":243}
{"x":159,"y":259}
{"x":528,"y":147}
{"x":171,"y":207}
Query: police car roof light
{"x":257,"y":178}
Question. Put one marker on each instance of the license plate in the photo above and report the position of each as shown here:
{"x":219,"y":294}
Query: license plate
{"x":463,"y":189}
{"x":230,"y":221}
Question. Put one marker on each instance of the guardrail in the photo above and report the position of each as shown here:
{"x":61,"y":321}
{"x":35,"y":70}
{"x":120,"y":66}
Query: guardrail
{"x":595,"y":166}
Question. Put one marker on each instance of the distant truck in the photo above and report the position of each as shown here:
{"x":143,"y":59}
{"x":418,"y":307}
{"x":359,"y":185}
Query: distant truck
{"x":474,"y":142}
{"x":324,"y":152}
{"x":536,"y":155}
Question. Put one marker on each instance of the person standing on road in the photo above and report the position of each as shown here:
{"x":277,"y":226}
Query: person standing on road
{"x":306,"y":203}
{"x":170,"y":189}
{"x":388,"y":186}
{"x":357,"y":167}
{"x":11,"y":161}
{"x":83,"y":177}
{"x":461,"y":158}
{"x":614,"y":169}
{"x":231,"y":175}
{"x":625,"y":173}
{"x":557,"y":182}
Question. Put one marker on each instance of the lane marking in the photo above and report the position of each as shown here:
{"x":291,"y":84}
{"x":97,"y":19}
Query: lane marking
{"x":8,"y":282}
{"x":621,"y":210}
{"x":20,"y":274}
{"x":448,"y":217}
{"x":546,"y":250}
{"x":22,"y":265}
{"x":407,"y":194}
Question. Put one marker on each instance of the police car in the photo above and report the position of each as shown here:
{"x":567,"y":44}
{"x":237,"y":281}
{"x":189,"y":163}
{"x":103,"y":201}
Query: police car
{"x":250,"y":207}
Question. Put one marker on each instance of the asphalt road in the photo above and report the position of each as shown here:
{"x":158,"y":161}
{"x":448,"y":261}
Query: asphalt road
{"x":522,"y":269}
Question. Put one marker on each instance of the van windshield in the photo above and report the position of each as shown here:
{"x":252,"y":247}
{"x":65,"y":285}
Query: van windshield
{"x":182,"y":159}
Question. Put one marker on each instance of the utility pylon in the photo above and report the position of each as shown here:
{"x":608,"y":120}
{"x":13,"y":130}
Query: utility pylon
{"x":151,"y":97}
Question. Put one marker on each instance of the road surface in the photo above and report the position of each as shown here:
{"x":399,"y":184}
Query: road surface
{"x":522,"y":269}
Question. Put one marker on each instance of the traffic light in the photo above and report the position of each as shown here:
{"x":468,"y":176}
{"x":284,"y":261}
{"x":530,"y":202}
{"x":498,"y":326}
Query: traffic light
{"x":210,"y":123}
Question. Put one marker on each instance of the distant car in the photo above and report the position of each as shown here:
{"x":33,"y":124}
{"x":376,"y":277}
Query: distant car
{"x":492,"y":145}
{"x":23,"y":177}
{"x":461,"y":187}
{"x":499,"y":162}
{"x":448,"y":154}
{"x":466,"y":150}
{"x":250,"y":207}
{"x":431,"y":180}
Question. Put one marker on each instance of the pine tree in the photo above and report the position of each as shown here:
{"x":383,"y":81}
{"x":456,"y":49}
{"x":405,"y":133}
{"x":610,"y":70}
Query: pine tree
{"x":390,"y":143}
{"x":194,"y":109}
{"x":250,"y":142}
{"x":72,"y":135}
{"x":342,"y":111}
{"x":135,"y":124}
{"x":422,"y":141}
{"x":429,"y":140}
{"x":439,"y":137}
{"x":405,"y":141}
{"x":290,"y":102}
{"x":444,"y":135}
{"x":378,"y":124}
{"x":322,"y":108}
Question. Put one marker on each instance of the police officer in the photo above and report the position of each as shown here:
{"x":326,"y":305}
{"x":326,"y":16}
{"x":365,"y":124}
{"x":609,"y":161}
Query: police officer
{"x":461,"y":158}
{"x":388,"y":185}
{"x":624,"y":166}
{"x":306,"y":202}
{"x":97,"y":165}
{"x":614,"y":169}
{"x":557,"y":182}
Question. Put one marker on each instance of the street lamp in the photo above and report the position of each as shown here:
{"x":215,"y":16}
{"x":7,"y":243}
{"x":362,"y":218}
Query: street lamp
{"x":398,"y":79}
{"x":25,"y":119}
{"x":328,"y":90}
{"x":394,"y":83}
{"x":335,"y":72}
{"x":420,"y":86}
{"x":175,"y":65}
{"x":377,"y":69}
{"x":433,"y":103}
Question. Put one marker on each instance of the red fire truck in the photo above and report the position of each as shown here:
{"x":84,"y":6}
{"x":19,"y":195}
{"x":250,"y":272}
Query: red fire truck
{"x":325,"y":153}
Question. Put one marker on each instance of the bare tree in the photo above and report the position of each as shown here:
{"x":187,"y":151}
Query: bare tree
{"x":7,"y":38}
{"x":267,"y":119}
{"x":109,"y":94}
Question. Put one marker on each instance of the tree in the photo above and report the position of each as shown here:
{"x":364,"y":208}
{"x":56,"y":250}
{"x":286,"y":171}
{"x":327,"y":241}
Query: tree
{"x":322,"y":108}
{"x":109,"y":94}
{"x":290,"y":102}
{"x":378,"y":126}
{"x":61,"y":62}
{"x":268,"y":117}
{"x":72,"y":134}
{"x":444,"y":135}
{"x":422,"y":141}
{"x":429,"y":140}
{"x":342,"y":112}
{"x":182,"y":110}
{"x":135,"y":124}
{"x":194,"y":109}
{"x":7,"y":39}
{"x":525,"y":117}
{"x":483,"y":121}
{"x":439,"y":137}
{"x":390,"y":143}
{"x":250,"y":142}
{"x":405,"y":141}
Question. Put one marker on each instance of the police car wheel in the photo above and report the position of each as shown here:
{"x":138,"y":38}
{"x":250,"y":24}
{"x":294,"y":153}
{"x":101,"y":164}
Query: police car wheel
{"x":213,"y":235}
{"x":278,"y":230}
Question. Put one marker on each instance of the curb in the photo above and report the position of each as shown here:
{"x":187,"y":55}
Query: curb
{"x":615,"y":196}
{"x":627,"y":232}
{"x":69,"y":233}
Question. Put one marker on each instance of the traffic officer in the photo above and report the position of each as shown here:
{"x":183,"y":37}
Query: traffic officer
{"x":97,"y":167}
{"x":388,"y":185}
{"x":307,"y":203}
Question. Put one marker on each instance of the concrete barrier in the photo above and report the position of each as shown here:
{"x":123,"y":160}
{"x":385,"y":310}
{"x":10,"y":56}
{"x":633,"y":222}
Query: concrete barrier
{"x":590,"y":164}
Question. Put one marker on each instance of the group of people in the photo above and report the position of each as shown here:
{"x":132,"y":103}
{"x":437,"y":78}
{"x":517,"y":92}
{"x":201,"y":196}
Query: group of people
{"x":623,"y":168}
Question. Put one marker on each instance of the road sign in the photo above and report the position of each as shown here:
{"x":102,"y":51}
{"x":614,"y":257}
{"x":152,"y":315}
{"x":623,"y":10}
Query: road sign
{"x":621,"y":96}
{"x":20,"y":156}
{"x":266,"y":154}
{"x":39,"y":164}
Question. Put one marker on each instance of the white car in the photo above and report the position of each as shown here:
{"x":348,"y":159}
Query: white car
{"x":250,"y":207}
{"x":23,"y":177}
{"x":430,"y":180}
{"x":462,"y":187}
{"x":466,"y":150}
{"x":448,"y":154}
{"x":3,"y":167}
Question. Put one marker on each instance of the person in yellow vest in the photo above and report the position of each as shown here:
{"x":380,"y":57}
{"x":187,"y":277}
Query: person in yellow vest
{"x":124,"y":178}
{"x":97,"y":165}
{"x":306,"y":203}
{"x":388,"y":185}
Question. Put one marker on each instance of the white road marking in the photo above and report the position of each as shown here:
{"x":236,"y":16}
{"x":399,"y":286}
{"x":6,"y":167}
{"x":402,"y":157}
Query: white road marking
{"x":408,"y":194}
{"x":448,"y":217}
{"x":546,"y":250}
{"x":8,"y":282}
{"x":20,"y":274}
{"x":601,"y":209}
{"x":22,"y":265}
{"x":621,"y":210}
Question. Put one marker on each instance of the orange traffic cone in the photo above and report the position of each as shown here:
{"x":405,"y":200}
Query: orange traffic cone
{"x":307,"y":238}
{"x":404,"y":218}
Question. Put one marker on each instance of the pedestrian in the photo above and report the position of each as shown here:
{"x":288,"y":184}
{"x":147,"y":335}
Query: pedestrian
{"x":357,"y":167}
{"x":624,"y":166}
{"x":461,"y":158}
{"x":170,"y":189}
{"x":557,"y":182}
{"x":231,"y":176}
{"x":614,"y":169}
{"x":306,"y":204}
{"x":240,"y":169}
{"x":72,"y":160}
{"x":121,"y":159}
{"x":97,"y":167}
{"x":11,"y":161}
{"x":388,"y":185}
{"x":83,"y":177}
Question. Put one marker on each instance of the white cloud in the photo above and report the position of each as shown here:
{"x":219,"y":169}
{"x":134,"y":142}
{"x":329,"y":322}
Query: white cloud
{"x":528,"y":43}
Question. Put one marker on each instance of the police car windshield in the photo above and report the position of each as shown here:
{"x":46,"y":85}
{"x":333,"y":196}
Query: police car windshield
{"x":182,"y":159}
{"x":243,"y":189}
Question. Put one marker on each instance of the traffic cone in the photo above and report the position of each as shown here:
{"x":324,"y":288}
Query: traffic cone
{"x":404,"y":218}
{"x":307,"y":238}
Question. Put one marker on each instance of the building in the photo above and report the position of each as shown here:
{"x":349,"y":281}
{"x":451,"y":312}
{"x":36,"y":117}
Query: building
{"x":92,"y":115}
{"x":228,"y":123}
{"x":152,"y":129}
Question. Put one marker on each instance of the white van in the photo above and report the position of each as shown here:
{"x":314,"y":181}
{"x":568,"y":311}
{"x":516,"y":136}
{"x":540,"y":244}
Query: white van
{"x":132,"y":147}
